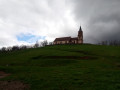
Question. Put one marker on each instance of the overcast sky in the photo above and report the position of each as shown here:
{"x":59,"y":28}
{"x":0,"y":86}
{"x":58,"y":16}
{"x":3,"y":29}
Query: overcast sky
{"x":26,"y":21}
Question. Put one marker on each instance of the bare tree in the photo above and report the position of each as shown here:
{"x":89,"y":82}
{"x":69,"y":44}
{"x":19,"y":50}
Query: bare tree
{"x":9,"y":49}
{"x":3,"y":49}
{"x":36,"y":44}
{"x":44,"y":43}
{"x":50,"y":43}
{"x":112,"y":42}
{"x":15,"y":48}
{"x":23,"y":47}
{"x":104,"y":43}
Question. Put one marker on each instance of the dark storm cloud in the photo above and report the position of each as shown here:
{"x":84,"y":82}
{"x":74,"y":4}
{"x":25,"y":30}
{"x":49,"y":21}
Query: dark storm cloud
{"x":101,"y":19}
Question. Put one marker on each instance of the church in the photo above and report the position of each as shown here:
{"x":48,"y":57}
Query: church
{"x":69,"y":40}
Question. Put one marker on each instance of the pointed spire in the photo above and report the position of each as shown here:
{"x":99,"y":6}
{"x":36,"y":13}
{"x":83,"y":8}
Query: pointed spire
{"x":80,"y":29}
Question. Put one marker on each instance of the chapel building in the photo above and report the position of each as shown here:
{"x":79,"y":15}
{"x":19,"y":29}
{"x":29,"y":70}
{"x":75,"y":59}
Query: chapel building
{"x":69,"y":40}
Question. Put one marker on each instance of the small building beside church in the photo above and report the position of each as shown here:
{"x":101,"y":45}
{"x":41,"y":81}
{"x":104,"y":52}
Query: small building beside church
{"x":69,"y":40}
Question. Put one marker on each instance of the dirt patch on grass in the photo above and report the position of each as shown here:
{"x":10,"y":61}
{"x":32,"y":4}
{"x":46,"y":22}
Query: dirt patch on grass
{"x":118,"y":65}
{"x":13,"y":85}
{"x":3,"y":74}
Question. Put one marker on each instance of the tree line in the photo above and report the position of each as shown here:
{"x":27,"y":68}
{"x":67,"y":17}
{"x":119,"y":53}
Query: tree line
{"x":111,"y":43}
{"x":45,"y":43}
{"x":22,"y":47}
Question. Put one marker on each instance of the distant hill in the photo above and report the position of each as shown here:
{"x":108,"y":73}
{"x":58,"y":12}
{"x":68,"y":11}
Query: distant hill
{"x":63,"y":67}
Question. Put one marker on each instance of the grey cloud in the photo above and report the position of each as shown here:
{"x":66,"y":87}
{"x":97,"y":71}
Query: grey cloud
{"x":38,"y":17}
{"x":102,"y":18}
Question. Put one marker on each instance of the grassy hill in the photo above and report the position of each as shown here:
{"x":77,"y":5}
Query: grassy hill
{"x":64,"y":67}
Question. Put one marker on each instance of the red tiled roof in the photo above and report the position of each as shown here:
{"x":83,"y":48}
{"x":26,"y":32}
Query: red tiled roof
{"x":63,"y":39}
{"x":74,"y":38}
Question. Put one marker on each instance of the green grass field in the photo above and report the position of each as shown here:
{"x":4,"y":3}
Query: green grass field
{"x":64,"y":67}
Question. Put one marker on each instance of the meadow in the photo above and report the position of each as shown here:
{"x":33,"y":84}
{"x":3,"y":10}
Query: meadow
{"x":64,"y":67}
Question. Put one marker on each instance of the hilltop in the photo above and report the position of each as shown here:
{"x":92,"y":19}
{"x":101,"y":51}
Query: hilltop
{"x":62,"y":67}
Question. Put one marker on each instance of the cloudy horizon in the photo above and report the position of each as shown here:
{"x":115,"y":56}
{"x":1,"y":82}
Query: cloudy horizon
{"x":28,"y":21}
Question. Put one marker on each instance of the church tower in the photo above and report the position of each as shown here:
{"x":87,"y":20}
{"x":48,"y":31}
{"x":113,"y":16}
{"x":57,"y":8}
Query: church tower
{"x":80,"y":36}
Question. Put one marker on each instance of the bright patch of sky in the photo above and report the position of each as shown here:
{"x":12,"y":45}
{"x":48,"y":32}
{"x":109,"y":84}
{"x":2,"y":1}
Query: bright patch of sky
{"x":29,"y":38}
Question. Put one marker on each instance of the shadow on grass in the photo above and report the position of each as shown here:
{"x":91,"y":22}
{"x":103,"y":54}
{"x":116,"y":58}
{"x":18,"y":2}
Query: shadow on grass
{"x":65,"y":57}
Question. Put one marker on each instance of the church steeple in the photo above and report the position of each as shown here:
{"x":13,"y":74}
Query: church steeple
{"x":80,"y":35}
{"x":80,"y":29}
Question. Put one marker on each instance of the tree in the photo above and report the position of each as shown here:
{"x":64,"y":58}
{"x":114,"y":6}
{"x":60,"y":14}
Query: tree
{"x":50,"y":43}
{"x":23,"y":47}
{"x":36,"y":44}
{"x":15,"y":48}
{"x":3,"y":49}
{"x":44,"y":43}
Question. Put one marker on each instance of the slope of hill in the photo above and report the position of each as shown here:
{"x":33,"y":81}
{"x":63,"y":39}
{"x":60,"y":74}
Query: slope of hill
{"x":64,"y":67}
